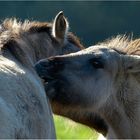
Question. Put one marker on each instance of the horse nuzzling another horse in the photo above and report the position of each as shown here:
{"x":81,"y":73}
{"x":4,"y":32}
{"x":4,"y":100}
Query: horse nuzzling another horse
{"x":24,"y":108}
{"x":103,"y":79}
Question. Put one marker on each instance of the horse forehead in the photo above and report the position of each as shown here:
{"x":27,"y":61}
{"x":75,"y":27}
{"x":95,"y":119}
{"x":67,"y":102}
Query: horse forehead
{"x":96,"y":51}
{"x":90,"y":52}
{"x":102,"y":51}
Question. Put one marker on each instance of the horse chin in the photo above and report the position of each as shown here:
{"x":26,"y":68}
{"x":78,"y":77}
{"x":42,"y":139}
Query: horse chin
{"x":50,"y":89}
{"x":59,"y":91}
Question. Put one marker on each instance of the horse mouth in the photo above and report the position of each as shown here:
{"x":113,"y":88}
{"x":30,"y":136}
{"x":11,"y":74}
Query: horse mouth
{"x":49,"y":85}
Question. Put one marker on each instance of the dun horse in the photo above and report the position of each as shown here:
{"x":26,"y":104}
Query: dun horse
{"x":102,"y":79}
{"x":24,"y":109}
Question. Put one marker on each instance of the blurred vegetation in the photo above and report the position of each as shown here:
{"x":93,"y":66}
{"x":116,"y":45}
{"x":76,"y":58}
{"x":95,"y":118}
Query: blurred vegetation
{"x":67,"y":129}
{"x":92,"y":21}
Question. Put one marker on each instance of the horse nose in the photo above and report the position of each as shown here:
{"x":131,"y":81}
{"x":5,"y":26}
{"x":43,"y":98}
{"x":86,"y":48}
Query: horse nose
{"x":55,"y":64}
{"x":49,"y":66}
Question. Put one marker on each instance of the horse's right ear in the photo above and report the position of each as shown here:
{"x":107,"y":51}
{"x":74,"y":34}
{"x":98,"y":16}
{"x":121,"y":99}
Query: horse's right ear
{"x":60,"y":27}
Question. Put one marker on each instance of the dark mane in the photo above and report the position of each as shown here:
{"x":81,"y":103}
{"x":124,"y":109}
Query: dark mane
{"x":75,"y":40}
{"x":12,"y":29}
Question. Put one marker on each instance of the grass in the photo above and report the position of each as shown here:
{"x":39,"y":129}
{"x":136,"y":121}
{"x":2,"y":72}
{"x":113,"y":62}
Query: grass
{"x":67,"y":129}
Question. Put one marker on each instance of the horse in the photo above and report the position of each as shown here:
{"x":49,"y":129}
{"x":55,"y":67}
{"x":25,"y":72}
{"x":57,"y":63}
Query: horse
{"x":102,"y":79}
{"x":24,"y":108}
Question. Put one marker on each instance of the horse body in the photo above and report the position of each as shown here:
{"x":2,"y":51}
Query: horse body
{"x":25,"y":111}
{"x":24,"y":108}
{"x":102,"y":79}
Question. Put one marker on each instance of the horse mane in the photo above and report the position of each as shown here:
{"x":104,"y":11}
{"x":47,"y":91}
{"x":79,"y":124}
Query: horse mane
{"x":124,"y":45}
{"x":11,"y":29}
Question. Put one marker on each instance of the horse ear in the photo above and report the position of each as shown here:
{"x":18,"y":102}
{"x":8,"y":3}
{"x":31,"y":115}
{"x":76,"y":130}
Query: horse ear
{"x":60,"y":27}
{"x":131,"y":63}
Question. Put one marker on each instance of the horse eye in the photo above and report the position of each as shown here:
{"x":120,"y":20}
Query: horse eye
{"x":96,"y":63}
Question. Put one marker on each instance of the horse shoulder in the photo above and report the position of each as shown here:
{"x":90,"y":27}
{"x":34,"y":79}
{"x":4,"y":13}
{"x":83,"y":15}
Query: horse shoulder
{"x":21,"y":92}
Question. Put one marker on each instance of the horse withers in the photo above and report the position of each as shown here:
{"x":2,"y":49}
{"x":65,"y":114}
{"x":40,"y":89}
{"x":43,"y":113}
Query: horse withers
{"x":102,"y":79}
{"x":24,"y":108}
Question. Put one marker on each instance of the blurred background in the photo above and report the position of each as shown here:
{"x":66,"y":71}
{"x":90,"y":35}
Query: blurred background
{"x":91,"y":21}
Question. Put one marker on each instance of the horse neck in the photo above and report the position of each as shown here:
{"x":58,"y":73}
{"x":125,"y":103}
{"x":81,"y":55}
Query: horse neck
{"x":122,"y":110}
{"x":30,"y":48}
{"x":116,"y":120}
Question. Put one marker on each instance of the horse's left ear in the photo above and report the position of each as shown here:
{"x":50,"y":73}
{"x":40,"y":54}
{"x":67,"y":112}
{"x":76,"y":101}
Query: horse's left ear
{"x":131,"y":63}
{"x":60,"y":27}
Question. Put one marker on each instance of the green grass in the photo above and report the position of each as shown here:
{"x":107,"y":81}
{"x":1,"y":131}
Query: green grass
{"x":67,"y":129}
